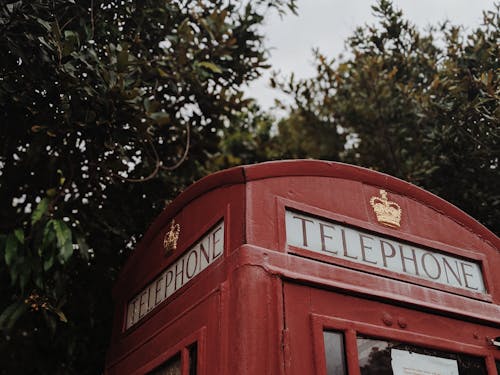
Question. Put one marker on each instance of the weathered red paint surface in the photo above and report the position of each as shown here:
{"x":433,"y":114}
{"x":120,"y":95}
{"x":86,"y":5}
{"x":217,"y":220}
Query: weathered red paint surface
{"x":262,"y":307}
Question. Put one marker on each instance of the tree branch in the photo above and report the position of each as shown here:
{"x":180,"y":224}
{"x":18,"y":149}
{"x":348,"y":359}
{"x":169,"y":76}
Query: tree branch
{"x":184,"y":156}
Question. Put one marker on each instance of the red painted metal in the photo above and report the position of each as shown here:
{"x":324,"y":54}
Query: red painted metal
{"x":262,"y":307}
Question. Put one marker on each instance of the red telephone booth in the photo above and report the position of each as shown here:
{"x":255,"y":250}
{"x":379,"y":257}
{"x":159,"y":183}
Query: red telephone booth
{"x":309,"y":267}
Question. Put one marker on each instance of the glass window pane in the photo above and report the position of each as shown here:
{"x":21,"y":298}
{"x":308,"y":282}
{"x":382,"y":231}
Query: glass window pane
{"x":193,"y":359}
{"x":378,"y":357}
{"x":334,"y":353}
{"x":171,"y":367}
{"x":498,"y":366}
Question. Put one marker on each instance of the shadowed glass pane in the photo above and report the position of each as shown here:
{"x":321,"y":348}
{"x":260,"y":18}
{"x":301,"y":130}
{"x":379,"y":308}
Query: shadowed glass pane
{"x":193,"y":359}
{"x":379,"y":357}
{"x":334,"y":353}
{"x":171,"y":367}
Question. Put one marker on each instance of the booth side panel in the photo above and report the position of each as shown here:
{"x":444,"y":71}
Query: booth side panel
{"x":195,"y":220}
{"x":197,"y":327}
{"x":166,"y":319}
{"x":150,"y":258}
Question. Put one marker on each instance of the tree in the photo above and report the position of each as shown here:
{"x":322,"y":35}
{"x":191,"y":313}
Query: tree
{"x":100,"y":101}
{"x":422,"y":106}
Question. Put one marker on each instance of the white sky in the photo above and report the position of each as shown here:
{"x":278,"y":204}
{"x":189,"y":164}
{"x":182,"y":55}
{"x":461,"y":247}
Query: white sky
{"x":326,"y":24}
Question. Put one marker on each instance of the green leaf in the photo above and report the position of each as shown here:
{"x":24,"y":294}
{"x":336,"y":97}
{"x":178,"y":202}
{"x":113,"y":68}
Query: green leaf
{"x":16,"y":314}
{"x":14,"y":6}
{"x":64,"y":240}
{"x":147,"y":104}
{"x":48,"y":233}
{"x":10,"y":249}
{"x":40,"y":210}
{"x":38,"y":280}
{"x":71,"y":42}
{"x":122,"y":60}
{"x":210,"y":66}
{"x":6,"y":313}
{"x":20,"y":270}
{"x":161,"y":118}
{"x":70,"y":34}
{"x":65,"y":252}
{"x":19,"y":233}
{"x":162,"y":73}
{"x":11,"y":314}
{"x":62,"y":231}
{"x":46,"y":25}
{"x":48,"y":263}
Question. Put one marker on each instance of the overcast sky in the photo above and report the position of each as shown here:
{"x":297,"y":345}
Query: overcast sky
{"x":325,"y":24}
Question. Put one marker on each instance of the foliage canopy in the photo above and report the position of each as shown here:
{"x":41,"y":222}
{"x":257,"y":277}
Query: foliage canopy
{"x":421,"y":106}
{"x":100,"y":101}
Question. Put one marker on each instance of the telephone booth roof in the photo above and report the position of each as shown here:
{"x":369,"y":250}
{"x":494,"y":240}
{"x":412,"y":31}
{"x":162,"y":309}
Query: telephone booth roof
{"x":242,"y":175}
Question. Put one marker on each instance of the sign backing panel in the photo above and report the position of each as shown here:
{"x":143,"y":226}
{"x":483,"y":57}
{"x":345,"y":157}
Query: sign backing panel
{"x":362,"y":247}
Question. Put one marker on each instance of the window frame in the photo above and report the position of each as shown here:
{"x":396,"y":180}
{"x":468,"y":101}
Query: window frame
{"x":351,"y":330}
{"x":346,"y":366}
{"x":183,"y":348}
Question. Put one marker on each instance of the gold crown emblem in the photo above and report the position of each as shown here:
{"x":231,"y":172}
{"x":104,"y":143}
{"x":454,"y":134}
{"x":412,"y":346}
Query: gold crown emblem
{"x":388,"y":213}
{"x":171,"y":237}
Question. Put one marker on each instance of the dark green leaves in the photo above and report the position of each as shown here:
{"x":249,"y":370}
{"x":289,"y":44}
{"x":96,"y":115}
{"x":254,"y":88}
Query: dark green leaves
{"x":210,"y":66}
{"x":40,"y":210}
{"x":404,"y":105}
{"x":11,"y":245}
{"x":11,"y":314}
{"x":95,"y":97}
{"x":64,"y":239}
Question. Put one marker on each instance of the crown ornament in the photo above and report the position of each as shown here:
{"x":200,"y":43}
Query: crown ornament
{"x":388,"y":213}
{"x":171,"y":237}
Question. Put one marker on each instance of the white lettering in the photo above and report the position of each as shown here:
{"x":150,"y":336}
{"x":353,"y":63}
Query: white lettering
{"x":205,"y":252}
{"x":337,"y":241}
